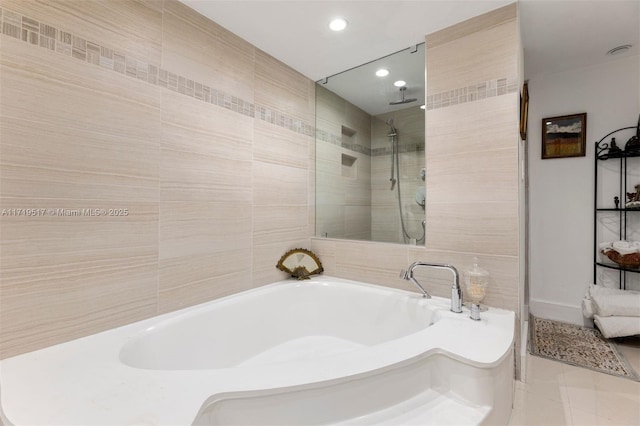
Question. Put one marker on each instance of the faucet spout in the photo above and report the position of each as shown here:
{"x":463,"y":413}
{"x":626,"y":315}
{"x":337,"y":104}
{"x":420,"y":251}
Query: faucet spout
{"x":408,"y":275}
{"x":456,"y":290}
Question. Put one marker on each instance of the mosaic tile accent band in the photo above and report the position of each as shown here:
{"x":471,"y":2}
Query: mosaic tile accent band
{"x":57,"y":40}
{"x":476,"y":92}
{"x":402,"y":148}
{"x":334,"y":139}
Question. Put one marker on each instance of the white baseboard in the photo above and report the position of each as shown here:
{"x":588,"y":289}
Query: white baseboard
{"x":558,"y":312}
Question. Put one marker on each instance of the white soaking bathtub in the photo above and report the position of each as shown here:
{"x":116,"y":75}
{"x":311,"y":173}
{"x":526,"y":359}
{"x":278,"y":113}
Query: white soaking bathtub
{"x":317,"y":352}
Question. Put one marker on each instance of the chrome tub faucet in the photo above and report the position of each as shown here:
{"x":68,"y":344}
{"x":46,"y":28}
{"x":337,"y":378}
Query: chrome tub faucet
{"x":456,"y":290}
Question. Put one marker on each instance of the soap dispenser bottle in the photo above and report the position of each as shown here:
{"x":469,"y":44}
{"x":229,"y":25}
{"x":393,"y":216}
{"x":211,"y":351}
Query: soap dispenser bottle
{"x":476,"y":282}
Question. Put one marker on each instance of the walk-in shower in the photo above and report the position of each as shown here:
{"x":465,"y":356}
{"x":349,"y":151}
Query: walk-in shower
{"x":395,"y":183}
{"x":353,"y":199}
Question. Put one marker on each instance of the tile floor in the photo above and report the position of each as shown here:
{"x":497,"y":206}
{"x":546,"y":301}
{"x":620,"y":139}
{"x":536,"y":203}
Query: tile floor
{"x":559,"y":394}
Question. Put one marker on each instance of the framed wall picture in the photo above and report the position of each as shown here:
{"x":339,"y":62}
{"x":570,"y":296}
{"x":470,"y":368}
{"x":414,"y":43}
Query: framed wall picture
{"x":524,"y":111}
{"x":564,"y":136}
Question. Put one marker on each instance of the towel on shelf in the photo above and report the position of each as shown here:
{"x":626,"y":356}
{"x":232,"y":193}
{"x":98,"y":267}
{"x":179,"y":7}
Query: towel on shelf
{"x":626,"y":247}
{"x":617,"y":326}
{"x":608,"y":298}
{"x":587,"y":308}
{"x":595,"y":290}
{"x":625,"y":304}
{"x":622,"y":247}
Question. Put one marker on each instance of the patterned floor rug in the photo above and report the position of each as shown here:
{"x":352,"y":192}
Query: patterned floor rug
{"x":579,"y":346}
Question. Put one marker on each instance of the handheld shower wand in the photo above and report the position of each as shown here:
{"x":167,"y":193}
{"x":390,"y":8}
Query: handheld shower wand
{"x":392,"y":134}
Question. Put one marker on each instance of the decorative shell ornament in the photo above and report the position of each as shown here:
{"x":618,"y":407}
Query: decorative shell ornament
{"x":300,"y":263}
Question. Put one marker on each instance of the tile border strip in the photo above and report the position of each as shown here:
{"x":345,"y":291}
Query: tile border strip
{"x":37,"y":33}
{"x":402,"y":149}
{"x":475,"y":92}
{"x":334,"y":139}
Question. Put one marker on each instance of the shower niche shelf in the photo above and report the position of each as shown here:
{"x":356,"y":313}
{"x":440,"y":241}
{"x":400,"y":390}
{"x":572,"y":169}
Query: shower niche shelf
{"x":349,"y":166}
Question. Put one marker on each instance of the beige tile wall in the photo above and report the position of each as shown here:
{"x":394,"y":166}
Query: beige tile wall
{"x":128,"y":105}
{"x":145,"y":106}
{"x":472,"y":150}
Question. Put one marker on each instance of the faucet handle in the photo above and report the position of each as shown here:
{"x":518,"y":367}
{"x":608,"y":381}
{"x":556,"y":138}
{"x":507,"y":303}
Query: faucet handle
{"x":404,"y":274}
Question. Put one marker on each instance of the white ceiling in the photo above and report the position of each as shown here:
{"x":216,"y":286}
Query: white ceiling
{"x":560,"y":35}
{"x":296,"y":31}
{"x":557,"y":35}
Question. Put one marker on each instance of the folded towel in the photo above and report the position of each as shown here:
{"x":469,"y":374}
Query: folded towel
{"x":606,"y":301}
{"x":587,"y":308}
{"x":602,"y":290}
{"x":626,"y":305}
{"x":617,"y":326}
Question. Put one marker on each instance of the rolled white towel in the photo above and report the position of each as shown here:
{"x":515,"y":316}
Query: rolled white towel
{"x":605,"y":245}
{"x":626,"y":247}
{"x":617,"y":326}
{"x":626,"y":304}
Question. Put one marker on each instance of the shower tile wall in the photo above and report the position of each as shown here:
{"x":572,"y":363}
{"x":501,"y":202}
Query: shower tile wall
{"x":145,"y":106}
{"x":344,"y":192}
{"x":386,"y":226}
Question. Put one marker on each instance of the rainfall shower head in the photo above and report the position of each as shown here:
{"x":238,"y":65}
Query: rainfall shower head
{"x":403,"y":100}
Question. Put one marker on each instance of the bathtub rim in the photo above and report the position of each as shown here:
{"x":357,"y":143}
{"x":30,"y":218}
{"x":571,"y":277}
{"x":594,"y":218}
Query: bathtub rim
{"x":406,"y":363}
{"x":145,"y":382}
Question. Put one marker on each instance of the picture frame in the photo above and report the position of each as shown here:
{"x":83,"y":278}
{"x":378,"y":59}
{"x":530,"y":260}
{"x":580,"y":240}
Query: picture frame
{"x":564,"y":136}
{"x":524,"y":111}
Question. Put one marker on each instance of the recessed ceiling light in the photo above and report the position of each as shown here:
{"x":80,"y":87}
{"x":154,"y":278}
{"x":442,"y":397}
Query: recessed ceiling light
{"x":338,"y":24}
{"x":382,"y":72}
{"x":619,"y":49}
{"x":399,"y":83}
